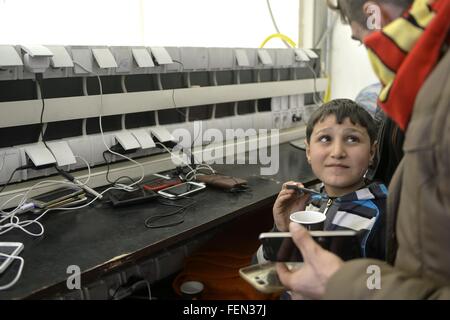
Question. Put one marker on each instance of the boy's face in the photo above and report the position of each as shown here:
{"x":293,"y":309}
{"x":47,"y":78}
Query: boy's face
{"x":340,"y":154}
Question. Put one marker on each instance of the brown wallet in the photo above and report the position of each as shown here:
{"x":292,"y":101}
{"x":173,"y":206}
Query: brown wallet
{"x":224,"y":182}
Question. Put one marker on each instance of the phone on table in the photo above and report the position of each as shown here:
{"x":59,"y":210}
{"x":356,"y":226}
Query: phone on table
{"x":181,"y":190}
{"x":9,"y":249}
{"x":124,"y":198}
{"x":160,"y":183}
{"x":264,"y":277}
{"x":279,"y":246}
{"x":69,"y":202}
{"x":49,"y":199}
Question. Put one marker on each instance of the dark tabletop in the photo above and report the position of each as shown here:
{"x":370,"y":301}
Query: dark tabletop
{"x":100,"y":238}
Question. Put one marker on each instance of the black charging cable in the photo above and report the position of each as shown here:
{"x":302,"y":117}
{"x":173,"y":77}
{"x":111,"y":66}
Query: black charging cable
{"x":151,"y":222}
{"x":127,"y":290}
{"x":108,"y":164}
{"x":28,"y":166}
{"x":40,"y":80}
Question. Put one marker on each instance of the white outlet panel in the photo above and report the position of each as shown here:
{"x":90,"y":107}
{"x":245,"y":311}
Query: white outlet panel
{"x":104,"y":58}
{"x":241,"y":58}
{"x":127,"y":140}
{"x":263,"y":120}
{"x":284,"y":103}
{"x":98,"y":146}
{"x":276,"y":120}
{"x":80,"y":147}
{"x":286,"y":119}
{"x":83,"y":57}
{"x":171,"y":129}
{"x":220,"y":58}
{"x":143,"y":137}
{"x":194,"y":58}
{"x":275,"y":103}
{"x":301,"y":55}
{"x":39,"y":154}
{"x":162,"y":133}
{"x":143,"y":58}
{"x":243,"y":122}
{"x":221,"y":124}
{"x":62,"y":152}
{"x":174,"y":54}
{"x":124,"y":59}
{"x":10,"y":159}
{"x":264,"y":57}
{"x":161,"y":55}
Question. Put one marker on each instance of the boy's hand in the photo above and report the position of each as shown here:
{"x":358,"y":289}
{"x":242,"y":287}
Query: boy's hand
{"x":288,"y":201}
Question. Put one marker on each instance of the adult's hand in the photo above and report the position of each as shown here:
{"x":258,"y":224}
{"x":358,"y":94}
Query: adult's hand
{"x":310,"y":280}
{"x":287,"y":202}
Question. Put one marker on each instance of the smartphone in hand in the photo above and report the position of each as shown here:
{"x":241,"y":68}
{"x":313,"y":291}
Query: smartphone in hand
{"x":264,"y":277}
{"x":279,"y":246}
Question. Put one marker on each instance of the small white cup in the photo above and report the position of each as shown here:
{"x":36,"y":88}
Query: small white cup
{"x":191,"y":290}
{"x":311,"y":220}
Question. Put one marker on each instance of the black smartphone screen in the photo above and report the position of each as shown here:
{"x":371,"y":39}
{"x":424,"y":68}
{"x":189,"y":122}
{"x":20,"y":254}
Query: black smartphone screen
{"x":281,"y":247}
{"x":123,"y":198}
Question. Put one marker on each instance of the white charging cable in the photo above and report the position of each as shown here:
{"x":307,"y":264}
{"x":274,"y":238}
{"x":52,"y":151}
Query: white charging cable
{"x":19,"y":272}
{"x":103,"y":136}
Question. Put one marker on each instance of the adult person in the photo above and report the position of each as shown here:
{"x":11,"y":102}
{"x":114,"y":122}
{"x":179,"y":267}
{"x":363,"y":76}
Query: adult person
{"x":410,"y":56}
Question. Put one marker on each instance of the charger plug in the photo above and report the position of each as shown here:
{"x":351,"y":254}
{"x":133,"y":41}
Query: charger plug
{"x":25,"y":207}
{"x":126,"y":187}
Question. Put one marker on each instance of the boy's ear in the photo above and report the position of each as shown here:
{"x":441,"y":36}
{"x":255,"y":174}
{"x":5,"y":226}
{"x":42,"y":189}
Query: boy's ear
{"x":308,"y":156}
{"x":373,"y":151}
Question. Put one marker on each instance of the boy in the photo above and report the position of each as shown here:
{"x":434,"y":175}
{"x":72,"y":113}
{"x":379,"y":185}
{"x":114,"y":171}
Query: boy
{"x":340,"y":146}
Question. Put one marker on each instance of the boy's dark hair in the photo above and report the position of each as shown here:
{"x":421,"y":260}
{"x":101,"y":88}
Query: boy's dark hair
{"x":343,"y":109}
{"x":352,"y":10}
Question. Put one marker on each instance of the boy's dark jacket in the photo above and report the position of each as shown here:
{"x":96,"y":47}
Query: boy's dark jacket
{"x":363,"y":211}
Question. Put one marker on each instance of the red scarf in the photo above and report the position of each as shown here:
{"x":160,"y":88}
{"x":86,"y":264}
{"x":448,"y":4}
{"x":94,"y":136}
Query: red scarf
{"x":405,"y":52}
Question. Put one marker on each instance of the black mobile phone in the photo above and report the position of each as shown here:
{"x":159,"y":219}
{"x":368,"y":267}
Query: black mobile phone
{"x":279,"y":246}
{"x":124,"y":198}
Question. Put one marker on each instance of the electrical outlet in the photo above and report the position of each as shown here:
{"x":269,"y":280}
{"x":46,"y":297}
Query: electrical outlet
{"x":80,"y":146}
{"x":276,"y":104}
{"x":263,"y":120}
{"x":221,"y":124}
{"x":243,"y":125}
{"x":10,"y":159}
{"x":98,"y":147}
{"x":284,"y":103}
{"x":276,"y":120}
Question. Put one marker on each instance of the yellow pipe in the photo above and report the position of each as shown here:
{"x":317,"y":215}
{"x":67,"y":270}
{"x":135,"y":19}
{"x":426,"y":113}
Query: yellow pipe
{"x":281,"y":36}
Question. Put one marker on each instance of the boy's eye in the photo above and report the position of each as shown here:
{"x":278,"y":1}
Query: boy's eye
{"x":324,"y":138}
{"x":352,"y":139}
